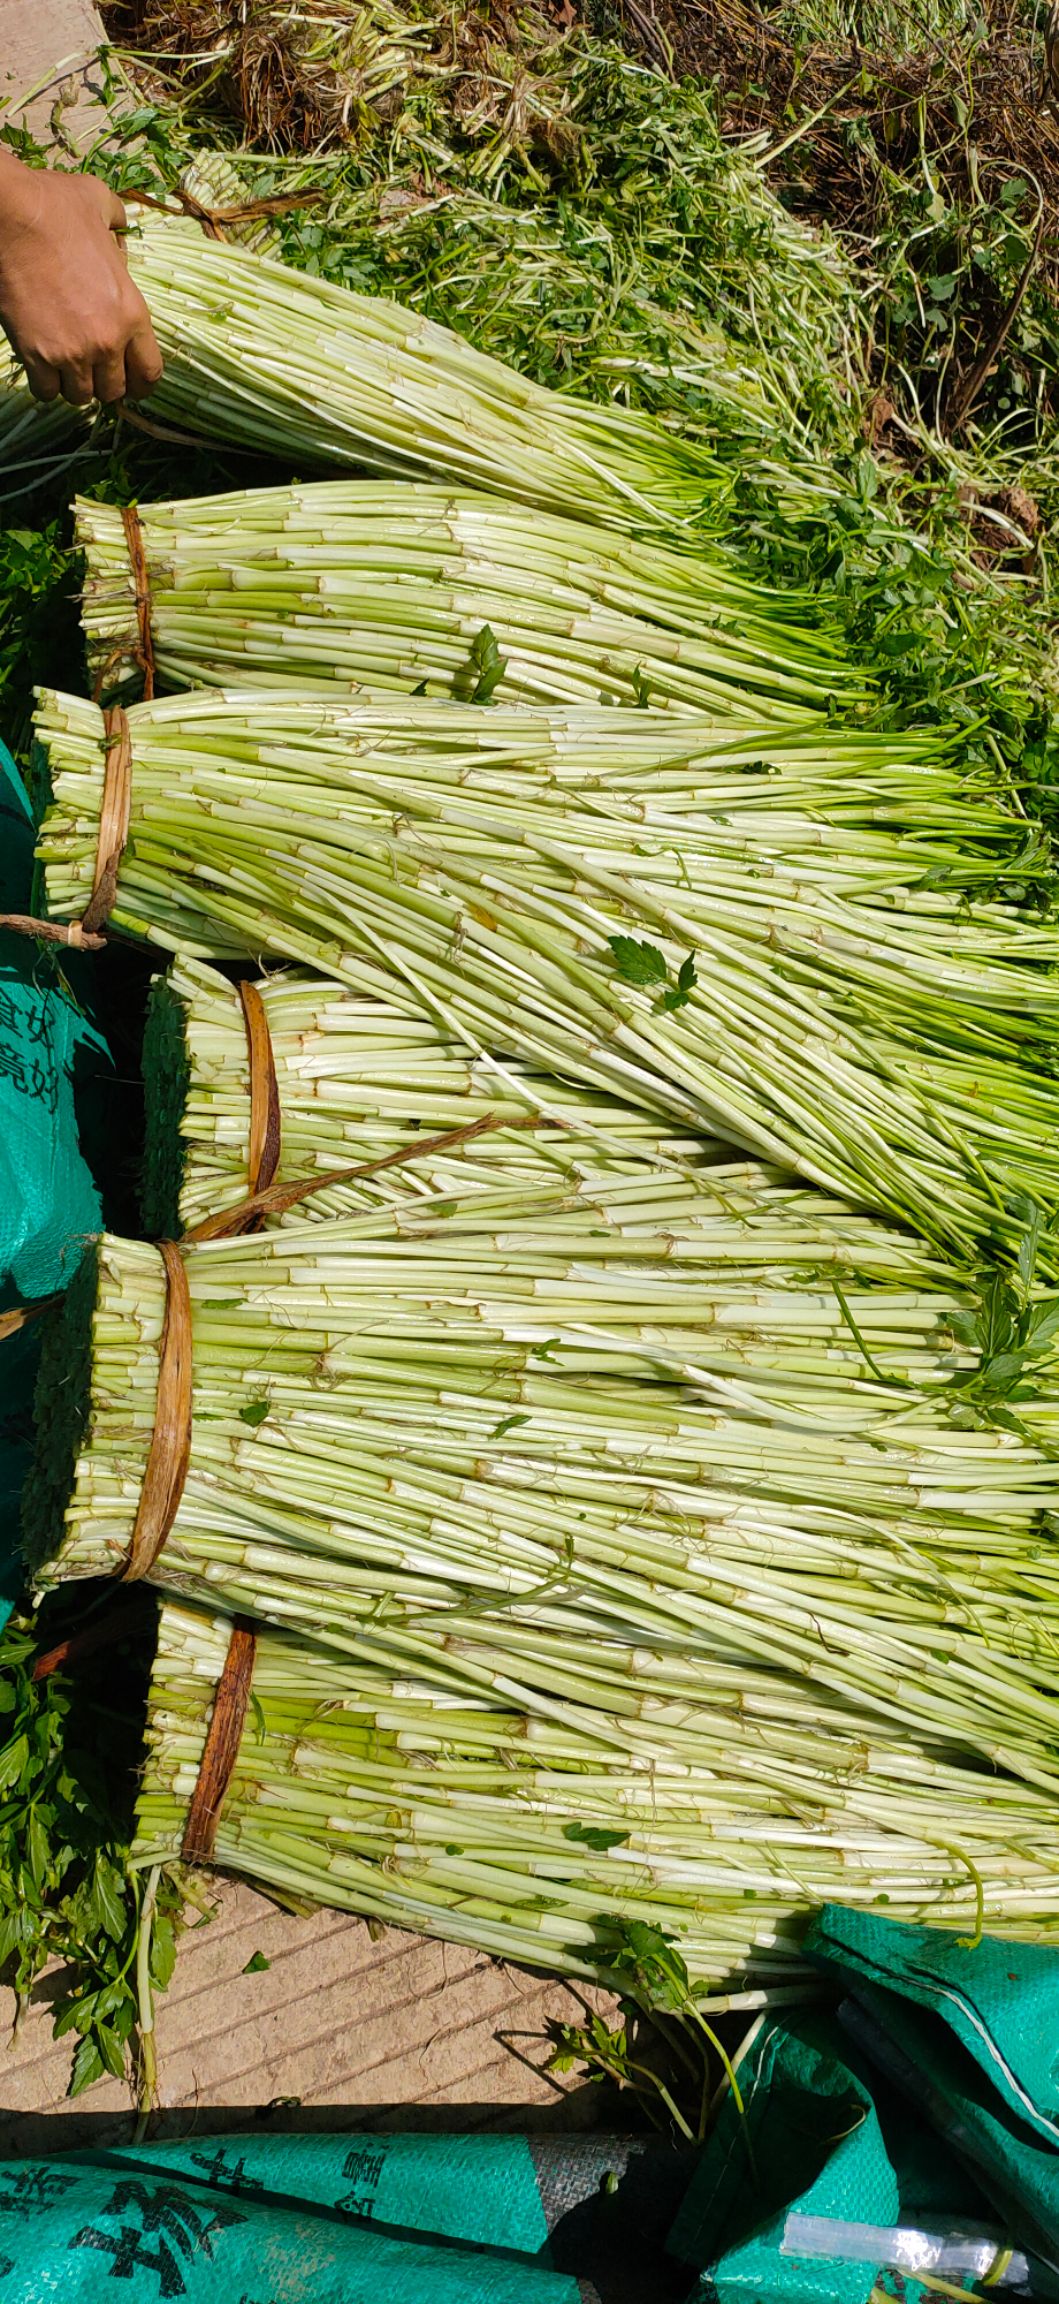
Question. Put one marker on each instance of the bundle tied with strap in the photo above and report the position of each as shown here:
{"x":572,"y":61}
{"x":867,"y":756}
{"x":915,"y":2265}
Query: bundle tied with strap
{"x":265,"y":1118}
{"x":221,"y":1748}
{"x":85,"y":935}
{"x":160,"y":1495}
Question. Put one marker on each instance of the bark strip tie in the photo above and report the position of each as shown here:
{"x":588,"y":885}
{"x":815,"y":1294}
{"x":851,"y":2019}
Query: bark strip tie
{"x":170,"y":1450}
{"x":141,"y":577}
{"x":221,"y":1748}
{"x":277,"y":1198}
{"x":85,"y":935}
{"x":266,"y":1119}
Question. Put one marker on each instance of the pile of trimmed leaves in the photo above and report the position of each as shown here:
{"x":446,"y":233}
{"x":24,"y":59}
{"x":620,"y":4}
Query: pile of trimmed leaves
{"x":68,"y":1895}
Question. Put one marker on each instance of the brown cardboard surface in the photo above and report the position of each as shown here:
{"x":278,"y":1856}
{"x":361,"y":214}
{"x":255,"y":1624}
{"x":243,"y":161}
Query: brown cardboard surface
{"x":399,"y":2030}
{"x":47,"y":53}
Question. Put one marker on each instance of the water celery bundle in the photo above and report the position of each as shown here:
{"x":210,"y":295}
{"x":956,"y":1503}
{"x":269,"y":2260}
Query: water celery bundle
{"x":737,"y":1426}
{"x":858,"y":1003}
{"x":34,"y":434}
{"x":273,"y":359}
{"x":411,"y":588}
{"x":358,"y":1081}
{"x":723,"y":1819}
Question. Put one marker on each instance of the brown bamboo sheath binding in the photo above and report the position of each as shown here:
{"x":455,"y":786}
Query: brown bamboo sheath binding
{"x":134,"y":538}
{"x":170,"y":1450}
{"x":266,"y":1121}
{"x":85,"y":935}
{"x":276,"y":1199}
{"x":142,"y":649}
{"x":221,"y":1749}
{"x":114,"y":815}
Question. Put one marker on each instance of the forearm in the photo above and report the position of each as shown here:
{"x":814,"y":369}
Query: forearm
{"x":67,"y":304}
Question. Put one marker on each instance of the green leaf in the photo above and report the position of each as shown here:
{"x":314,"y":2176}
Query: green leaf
{"x":76,"y":2016}
{"x":677,"y":995}
{"x":1001,"y":1372}
{"x":1042,"y":1323}
{"x":595,"y":1836}
{"x":37,"y":1853}
{"x":12,"y":1762}
{"x":87,"y":2066}
{"x":655,"y":1964}
{"x":256,"y":1964}
{"x":110,"y":1898}
{"x":638,"y":963}
{"x":1029,"y":1245}
{"x":997,"y":1330}
{"x":507,"y":1424}
{"x":483,"y":671}
{"x":254,"y":1413}
{"x":110,"y":2050}
{"x":163,"y":1951}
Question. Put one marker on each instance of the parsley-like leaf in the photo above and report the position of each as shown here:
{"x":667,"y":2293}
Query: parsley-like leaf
{"x":677,"y":995}
{"x":638,"y":963}
{"x":483,"y":671}
{"x":595,"y":1836}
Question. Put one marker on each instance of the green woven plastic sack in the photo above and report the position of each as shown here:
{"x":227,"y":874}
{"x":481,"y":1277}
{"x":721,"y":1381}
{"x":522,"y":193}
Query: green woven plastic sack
{"x":1000,"y":1999}
{"x":810,"y":2140}
{"x":835,"y":2187}
{"x":72,"y":2230}
{"x":343,"y":2220}
{"x":48,"y":1200}
{"x":969,"y":2032}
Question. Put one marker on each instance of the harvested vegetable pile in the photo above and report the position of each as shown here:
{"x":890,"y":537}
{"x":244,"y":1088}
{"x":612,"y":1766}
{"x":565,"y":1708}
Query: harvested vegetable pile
{"x":740,"y":967}
{"x":533,"y":188}
{"x":438,"y":594}
{"x":245,"y":342}
{"x":570,"y":1463}
{"x":604,"y":1527}
{"x":542,"y":1841}
{"x":360,"y":1082}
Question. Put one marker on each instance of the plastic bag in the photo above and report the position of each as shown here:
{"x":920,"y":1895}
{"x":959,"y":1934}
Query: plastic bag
{"x":48,"y":1200}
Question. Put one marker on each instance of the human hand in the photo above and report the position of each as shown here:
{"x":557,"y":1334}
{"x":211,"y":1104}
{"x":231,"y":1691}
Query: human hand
{"x":67,"y":303}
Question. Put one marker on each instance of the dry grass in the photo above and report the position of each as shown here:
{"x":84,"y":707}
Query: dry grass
{"x":294,"y":77}
{"x":975,"y":108}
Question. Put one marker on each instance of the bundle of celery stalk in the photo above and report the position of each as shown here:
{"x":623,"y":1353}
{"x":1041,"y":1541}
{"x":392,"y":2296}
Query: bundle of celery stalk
{"x":852,"y":998}
{"x":710,"y":1416}
{"x":602,"y":1506}
{"x":719,"y":1817}
{"x":400,"y":587}
{"x":35,"y":437}
{"x":259,"y":354}
{"x":360,"y":1081}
